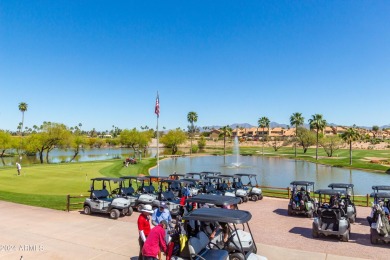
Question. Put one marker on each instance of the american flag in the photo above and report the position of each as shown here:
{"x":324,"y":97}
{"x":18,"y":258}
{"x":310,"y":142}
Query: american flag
{"x":157,"y":107}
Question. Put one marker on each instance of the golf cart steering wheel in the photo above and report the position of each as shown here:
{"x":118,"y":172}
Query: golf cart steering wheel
{"x":115,"y":192}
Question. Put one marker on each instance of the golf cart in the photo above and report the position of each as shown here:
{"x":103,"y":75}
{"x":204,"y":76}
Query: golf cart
{"x":379,"y":219}
{"x":133,"y":194}
{"x":254,"y":193}
{"x":300,"y":200}
{"x":240,"y":243}
{"x":228,"y":190}
{"x":331,"y":218}
{"x":378,"y":188}
{"x":102,"y":201}
{"x":196,"y":186}
{"x":166,"y":194}
{"x":210,"y":173}
{"x":349,"y":205}
{"x":214,"y":201}
{"x":196,"y":175}
{"x":176,"y":176}
{"x":147,"y":191}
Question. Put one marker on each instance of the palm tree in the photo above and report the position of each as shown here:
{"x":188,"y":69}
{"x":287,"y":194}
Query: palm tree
{"x":22,"y":108}
{"x":192,"y":117}
{"x":349,"y":136}
{"x":375,"y":130}
{"x":296,"y":119}
{"x":226,"y":131}
{"x":263,"y":122}
{"x":317,"y":123}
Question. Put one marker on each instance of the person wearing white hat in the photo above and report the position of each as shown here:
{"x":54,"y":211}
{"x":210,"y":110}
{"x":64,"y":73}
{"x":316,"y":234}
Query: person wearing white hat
{"x":144,"y":227}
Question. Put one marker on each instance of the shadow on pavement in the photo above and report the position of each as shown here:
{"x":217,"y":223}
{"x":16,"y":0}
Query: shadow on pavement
{"x":305,"y":232}
{"x":283,"y":212}
{"x":362,"y":221}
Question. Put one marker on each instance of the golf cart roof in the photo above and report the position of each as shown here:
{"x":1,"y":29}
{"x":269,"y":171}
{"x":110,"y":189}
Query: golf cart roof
{"x":107,"y":179}
{"x":194,"y":180}
{"x":177,"y":174}
{"x":383,"y":194}
{"x":340,"y":185}
{"x":211,"y":173}
{"x":245,"y":174}
{"x":156,"y":178}
{"x":129,"y":177}
{"x":217,"y":200}
{"x":381,"y":187}
{"x":213,"y":177}
{"x":226,"y":176}
{"x":192,"y":174}
{"x":302,"y":183}
{"x":330,"y":192}
{"x":220,"y":215}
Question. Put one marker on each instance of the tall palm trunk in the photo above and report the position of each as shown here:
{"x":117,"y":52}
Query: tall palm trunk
{"x":350,"y":153}
{"x":262,"y":146}
{"x":317,"y":146}
{"x":295,"y":143}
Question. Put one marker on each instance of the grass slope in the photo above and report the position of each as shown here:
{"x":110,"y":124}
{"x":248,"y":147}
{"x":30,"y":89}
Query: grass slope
{"x":47,"y":185}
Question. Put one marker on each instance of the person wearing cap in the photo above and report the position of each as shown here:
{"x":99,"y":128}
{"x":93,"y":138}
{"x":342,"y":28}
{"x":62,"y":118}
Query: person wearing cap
{"x":155,"y":242}
{"x":161,"y":213}
{"x":144,"y":227}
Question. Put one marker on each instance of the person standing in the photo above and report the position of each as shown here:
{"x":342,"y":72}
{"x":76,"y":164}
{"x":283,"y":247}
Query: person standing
{"x":155,"y":242}
{"x":143,"y":227}
{"x":18,"y":167}
{"x":161,"y":213}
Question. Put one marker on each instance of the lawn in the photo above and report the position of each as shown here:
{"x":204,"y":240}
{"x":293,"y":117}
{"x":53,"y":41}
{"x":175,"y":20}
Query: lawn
{"x":47,"y":185}
{"x":340,"y":157}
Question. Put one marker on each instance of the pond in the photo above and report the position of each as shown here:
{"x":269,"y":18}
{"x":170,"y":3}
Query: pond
{"x":60,"y":155}
{"x":276,"y":172}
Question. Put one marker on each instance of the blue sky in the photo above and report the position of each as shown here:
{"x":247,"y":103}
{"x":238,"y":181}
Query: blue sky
{"x":101,"y":63}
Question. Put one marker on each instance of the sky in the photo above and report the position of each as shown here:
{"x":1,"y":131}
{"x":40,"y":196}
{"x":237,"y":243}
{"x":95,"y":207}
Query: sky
{"x":101,"y":63}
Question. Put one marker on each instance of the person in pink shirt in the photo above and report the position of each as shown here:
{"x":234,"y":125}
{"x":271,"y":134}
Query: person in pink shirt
{"x":155,"y":242}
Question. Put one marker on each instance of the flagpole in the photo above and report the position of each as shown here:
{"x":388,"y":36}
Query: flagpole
{"x":158,"y":152}
{"x":157,"y":112}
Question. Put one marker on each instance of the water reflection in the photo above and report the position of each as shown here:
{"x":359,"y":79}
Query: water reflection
{"x":277,"y":172}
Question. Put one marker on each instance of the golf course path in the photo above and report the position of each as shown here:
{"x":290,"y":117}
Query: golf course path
{"x":39,"y":233}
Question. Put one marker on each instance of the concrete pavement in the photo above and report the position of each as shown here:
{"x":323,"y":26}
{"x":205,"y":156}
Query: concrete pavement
{"x":39,"y":233}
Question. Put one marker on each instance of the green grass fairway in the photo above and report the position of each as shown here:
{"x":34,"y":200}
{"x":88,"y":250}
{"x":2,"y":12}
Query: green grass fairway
{"x":47,"y":185}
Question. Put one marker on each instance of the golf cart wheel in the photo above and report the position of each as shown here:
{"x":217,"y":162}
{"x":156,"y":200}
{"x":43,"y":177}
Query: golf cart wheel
{"x":314,"y":231}
{"x":345,"y":237}
{"x":140,"y":207}
{"x":87,"y":210}
{"x":236,"y":256}
{"x":130,"y":211}
{"x":246,"y":199}
{"x":260,"y":196}
{"x":352,"y":219}
{"x":241,"y":200}
{"x":289,"y":210}
{"x":114,"y":214}
{"x":373,"y":240}
{"x":254,"y":197}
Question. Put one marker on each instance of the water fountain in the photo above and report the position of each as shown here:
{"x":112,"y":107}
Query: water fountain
{"x":236,"y":152}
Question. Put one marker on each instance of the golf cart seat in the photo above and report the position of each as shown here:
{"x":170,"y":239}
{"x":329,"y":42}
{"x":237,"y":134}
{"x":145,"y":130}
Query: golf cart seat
{"x":223,"y":186}
{"x":198,"y":248}
{"x":238,"y":185}
{"x":148,"y":189}
{"x":168,"y":195}
{"x":101,"y":194}
{"x":128,"y":191}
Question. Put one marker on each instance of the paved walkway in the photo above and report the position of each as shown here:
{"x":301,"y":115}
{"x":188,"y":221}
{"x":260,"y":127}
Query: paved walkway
{"x":39,"y":233}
